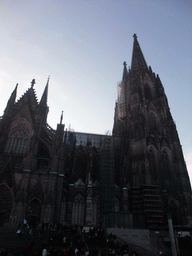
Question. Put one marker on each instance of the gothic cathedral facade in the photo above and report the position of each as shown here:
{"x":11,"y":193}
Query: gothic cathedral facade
{"x":133,"y":179}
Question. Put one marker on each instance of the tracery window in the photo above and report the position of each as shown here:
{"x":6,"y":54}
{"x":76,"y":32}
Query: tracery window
{"x":78,"y":210}
{"x":79,"y":166}
{"x":42,"y":157}
{"x":152,"y":123}
{"x":147,"y":92}
{"x":166,"y":169}
{"x":63,"y":211}
{"x":152,"y":164}
{"x":18,"y":139}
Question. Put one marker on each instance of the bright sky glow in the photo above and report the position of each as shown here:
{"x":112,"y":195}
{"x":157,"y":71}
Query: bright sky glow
{"x":82,"y":45}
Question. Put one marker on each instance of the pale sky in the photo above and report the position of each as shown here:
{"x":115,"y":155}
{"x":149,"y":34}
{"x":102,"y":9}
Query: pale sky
{"x":82,"y":45}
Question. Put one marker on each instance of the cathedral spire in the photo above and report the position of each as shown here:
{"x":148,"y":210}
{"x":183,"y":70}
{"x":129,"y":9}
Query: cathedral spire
{"x":125,"y":73}
{"x":43,"y":102}
{"x":12,"y":98}
{"x":138,"y":61}
{"x":61,"y":119}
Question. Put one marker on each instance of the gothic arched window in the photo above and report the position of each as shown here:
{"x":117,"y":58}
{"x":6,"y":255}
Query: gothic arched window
{"x":166,"y":169}
{"x":18,"y":139}
{"x":152,"y":164}
{"x":78,"y":210}
{"x":152,"y":122}
{"x":79,"y":166}
{"x":147,"y":92}
{"x":43,"y":157}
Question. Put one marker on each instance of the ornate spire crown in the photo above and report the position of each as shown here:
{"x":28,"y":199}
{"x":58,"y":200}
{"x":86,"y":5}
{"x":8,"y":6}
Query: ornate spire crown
{"x":138,"y":64}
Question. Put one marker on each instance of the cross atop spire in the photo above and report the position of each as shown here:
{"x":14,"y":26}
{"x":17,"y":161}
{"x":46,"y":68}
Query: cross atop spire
{"x":135,"y":36}
{"x":33,"y":83}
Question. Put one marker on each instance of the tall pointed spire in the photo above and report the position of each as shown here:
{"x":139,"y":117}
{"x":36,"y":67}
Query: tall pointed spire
{"x":61,"y":119}
{"x":43,"y":101}
{"x":138,"y":61}
{"x":11,"y":100}
{"x":43,"y":108}
{"x":125,"y":73}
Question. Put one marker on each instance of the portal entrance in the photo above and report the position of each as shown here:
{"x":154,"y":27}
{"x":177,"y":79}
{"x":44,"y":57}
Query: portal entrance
{"x":33,"y":213}
{"x":6,"y":203}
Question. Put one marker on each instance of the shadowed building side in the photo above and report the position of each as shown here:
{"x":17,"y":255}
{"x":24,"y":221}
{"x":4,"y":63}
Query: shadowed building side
{"x":132,"y":179}
{"x":152,"y":152}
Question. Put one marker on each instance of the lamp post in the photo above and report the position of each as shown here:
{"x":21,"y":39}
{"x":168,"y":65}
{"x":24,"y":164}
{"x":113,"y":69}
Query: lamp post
{"x":170,"y":224}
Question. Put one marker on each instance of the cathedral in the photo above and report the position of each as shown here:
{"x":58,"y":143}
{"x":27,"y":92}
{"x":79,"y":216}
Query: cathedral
{"x":136,"y":178}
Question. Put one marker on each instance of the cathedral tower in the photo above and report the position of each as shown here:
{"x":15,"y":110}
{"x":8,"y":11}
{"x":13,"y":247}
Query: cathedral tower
{"x":152,"y":152}
{"x":31,"y":164}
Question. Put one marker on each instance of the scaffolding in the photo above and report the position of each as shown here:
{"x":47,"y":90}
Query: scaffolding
{"x":107,"y":181}
{"x":121,"y":100}
{"x":147,"y":200}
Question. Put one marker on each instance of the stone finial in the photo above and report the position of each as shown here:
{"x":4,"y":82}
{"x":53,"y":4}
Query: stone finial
{"x":33,"y":83}
{"x":61,"y":119}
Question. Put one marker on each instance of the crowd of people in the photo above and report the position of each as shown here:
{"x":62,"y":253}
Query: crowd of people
{"x":65,"y":240}
{"x":71,"y":241}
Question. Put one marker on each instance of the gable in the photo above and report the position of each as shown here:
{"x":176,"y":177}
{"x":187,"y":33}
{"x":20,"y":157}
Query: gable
{"x":24,"y":113}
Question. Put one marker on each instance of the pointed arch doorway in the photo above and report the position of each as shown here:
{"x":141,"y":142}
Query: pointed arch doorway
{"x":6,"y":203}
{"x":33,"y":212}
